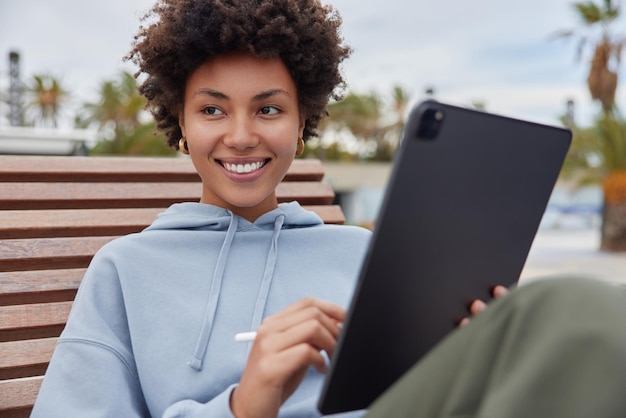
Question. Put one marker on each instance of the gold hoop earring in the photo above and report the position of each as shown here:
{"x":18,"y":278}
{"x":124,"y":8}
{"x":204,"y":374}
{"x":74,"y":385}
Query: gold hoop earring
{"x":182,"y":145}
{"x":300,"y":148}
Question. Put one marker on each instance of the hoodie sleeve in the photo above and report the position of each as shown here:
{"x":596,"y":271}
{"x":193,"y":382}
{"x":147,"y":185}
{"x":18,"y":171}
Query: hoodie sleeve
{"x":92,"y":372}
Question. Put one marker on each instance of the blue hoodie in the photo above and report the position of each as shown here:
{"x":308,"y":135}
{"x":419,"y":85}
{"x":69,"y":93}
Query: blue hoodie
{"x":151,"y":332}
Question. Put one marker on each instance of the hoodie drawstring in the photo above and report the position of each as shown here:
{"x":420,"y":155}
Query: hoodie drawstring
{"x":268,"y":274}
{"x":209,"y":316}
{"x":218,"y":275}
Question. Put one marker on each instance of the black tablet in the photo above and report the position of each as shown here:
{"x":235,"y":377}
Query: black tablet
{"x":464,"y":201}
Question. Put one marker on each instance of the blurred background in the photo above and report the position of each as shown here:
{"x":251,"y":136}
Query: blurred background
{"x":66,"y":90}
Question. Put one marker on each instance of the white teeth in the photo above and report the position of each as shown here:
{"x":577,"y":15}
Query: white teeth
{"x":243,"y":168}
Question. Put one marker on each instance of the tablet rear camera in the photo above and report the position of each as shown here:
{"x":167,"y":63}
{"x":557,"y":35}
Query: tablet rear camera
{"x":430,"y":124}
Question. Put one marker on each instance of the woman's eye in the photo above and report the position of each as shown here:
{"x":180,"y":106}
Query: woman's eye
{"x":269,"y":110}
{"x":211,"y":110}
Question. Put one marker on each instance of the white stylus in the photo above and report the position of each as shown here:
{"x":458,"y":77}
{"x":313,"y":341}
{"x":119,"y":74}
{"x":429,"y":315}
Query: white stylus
{"x":245,"y":337}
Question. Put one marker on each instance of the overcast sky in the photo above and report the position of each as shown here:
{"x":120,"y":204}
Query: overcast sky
{"x":497,"y":52}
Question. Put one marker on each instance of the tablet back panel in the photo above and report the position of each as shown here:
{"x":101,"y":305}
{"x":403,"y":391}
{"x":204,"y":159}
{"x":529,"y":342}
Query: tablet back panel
{"x":464,"y":201}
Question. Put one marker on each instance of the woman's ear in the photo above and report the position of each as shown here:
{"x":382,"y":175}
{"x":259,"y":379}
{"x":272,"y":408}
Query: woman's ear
{"x":301,"y":126}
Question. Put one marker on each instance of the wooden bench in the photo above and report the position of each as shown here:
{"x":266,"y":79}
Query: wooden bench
{"x":56,"y":212}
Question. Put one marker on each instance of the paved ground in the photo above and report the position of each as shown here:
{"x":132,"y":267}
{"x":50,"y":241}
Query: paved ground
{"x":575,"y":251}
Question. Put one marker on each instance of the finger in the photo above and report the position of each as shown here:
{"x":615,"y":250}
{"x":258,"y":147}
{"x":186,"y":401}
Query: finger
{"x":327,"y":313}
{"x":499,"y":291}
{"x":331,"y":309}
{"x":464,"y":321}
{"x":311,"y":332}
{"x":310,"y":316}
{"x":300,"y":355}
{"x":477,"y":307}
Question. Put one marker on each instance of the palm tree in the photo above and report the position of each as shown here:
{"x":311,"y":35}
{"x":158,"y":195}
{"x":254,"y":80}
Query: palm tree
{"x":602,"y":78}
{"x":376,"y":127}
{"x":46,"y":99}
{"x":393,"y":132}
{"x":118,"y":114}
{"x":120,"y":104}
{"x":598,"y":153}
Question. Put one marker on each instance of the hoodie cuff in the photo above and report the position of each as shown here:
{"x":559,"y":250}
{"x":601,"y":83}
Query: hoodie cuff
{"x":218,"y":407}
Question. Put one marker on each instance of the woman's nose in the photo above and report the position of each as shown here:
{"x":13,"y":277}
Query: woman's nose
{"x":241,"y":134}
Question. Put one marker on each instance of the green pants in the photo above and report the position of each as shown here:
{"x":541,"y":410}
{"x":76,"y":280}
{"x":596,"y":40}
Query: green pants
{"x":555,"y":348}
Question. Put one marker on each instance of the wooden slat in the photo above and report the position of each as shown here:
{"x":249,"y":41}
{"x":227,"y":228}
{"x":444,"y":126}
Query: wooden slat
{"x":330,"y":214}
{"x":305,"y":170}
{"x":305,"y":192}
{"x":25,"y":358}
{"x":32,"y":316}
{"x":51,"y":331}
{"x":15,"y":196}
{"x":39,"y":286}
{"x":43,"y":253}
{"x":18,"y":396}
{"x":95,"y":195}
{"x":53,"y":223}
{"x":123,"y":169}
{"x":95,"y":169}
{"x":74,"y":222}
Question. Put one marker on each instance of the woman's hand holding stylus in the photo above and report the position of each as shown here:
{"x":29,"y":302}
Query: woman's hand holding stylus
{"x":285,"y":346}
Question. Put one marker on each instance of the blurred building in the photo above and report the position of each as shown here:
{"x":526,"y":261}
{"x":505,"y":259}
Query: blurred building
{"x":359,"y":188}
{"x":17,"y":140}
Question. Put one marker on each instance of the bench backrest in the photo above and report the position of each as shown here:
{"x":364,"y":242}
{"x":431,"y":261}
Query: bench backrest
{"x":56,"y":212}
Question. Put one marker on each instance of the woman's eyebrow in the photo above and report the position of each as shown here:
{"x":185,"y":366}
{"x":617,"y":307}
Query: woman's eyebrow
{"x":269,"y":93}
{"x":210,"y":92}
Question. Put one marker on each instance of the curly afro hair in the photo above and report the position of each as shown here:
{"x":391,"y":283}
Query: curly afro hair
{"x":180,"y":35}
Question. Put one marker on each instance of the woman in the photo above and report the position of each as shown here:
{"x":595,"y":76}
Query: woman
{"x":238,"y":85}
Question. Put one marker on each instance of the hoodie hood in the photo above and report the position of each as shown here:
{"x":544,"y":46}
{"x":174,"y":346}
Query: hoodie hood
{"x":203,"y":217}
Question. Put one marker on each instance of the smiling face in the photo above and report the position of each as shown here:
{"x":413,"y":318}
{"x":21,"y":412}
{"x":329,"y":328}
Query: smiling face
{"x":242,"y":123}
